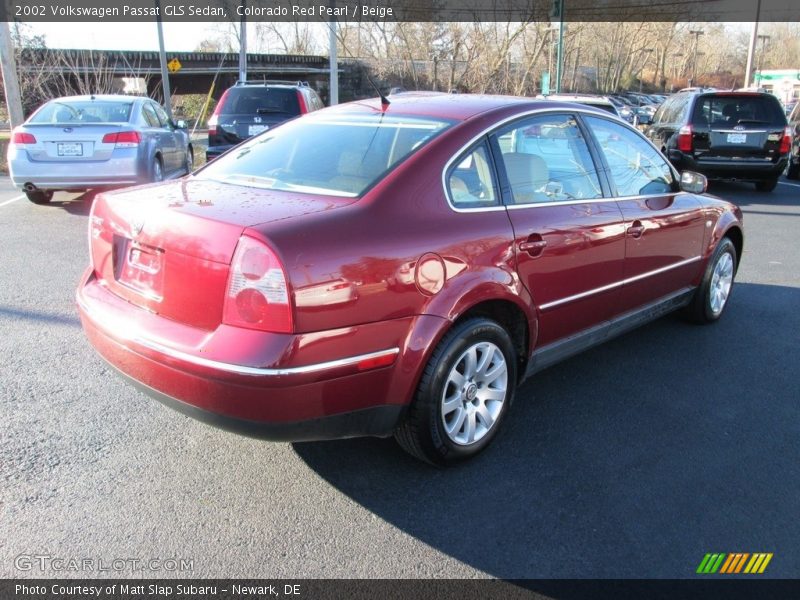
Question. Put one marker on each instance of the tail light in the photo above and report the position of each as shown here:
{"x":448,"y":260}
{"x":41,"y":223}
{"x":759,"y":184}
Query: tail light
{"x":21,"y":137}
{"x":257,"y":296}
{"x":214,"y":118}
{"x":302,"y":102}
{"x":685,"y":138}
{"x":123,"y":139}
{"x":786,"y":142}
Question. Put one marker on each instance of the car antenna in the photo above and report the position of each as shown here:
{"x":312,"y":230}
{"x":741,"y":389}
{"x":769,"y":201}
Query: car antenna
{"x":384,"y":100}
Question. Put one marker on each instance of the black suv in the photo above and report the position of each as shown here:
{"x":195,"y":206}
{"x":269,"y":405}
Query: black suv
{"x":793,"y":170}
{"x":250,"y":108}
{"x":724,"y":135}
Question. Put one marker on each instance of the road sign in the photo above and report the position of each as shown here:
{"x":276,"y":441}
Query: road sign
{"x":174,"y":65}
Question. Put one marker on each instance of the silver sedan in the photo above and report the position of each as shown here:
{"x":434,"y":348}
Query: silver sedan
{"x":81,"y":142}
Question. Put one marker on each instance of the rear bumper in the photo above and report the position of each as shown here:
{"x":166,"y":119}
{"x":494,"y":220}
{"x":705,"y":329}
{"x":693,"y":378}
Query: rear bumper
{"x":73,"y":175}
{"x":747,"y":170}
{"x":325,"y":385}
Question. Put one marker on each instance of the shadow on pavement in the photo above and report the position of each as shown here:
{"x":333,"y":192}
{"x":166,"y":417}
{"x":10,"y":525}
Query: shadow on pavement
{"x":633,"y":459}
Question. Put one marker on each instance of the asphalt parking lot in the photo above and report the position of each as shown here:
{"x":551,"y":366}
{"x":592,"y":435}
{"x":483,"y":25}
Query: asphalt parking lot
{"x":632,"y":460}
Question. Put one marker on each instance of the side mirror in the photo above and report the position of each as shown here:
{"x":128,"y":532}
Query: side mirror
{"x":694,"y":183}
{"x":181,"y":124}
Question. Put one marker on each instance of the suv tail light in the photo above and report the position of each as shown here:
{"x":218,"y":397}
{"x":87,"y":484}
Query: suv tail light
{"x":123,"y":139}
{"x":214,"y":118}
{"x":685,"y":138}
{"x":786,"y":141}
{"x":301,"y":100}
{"x":20,"y":137}
{"x":257,"y":296}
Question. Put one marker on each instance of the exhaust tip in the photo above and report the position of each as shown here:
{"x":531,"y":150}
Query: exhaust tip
{"x":29,"y":187}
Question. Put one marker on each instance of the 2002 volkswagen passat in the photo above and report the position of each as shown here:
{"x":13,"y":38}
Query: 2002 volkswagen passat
{"x":375,"y":269}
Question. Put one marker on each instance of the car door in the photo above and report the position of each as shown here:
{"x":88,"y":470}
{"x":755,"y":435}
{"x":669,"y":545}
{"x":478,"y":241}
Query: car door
{"x":569,"y":238}
{"x":171,"y":142}
{"x":664,"y":227}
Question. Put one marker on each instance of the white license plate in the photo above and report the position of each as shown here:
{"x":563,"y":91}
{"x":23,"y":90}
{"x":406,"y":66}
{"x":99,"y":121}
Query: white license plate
{"x":70,"y":149}
{"x":256,"y":129}
{"x":737,"y":138}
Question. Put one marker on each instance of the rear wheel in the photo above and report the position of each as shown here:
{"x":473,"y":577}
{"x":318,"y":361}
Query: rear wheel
{"x":767,"y":185}
{"x":157,"y":171}
{"x":40,"y":196}
{"x":463,"y":395}
{"x":712,"y":296}
{"x":793,"y":169}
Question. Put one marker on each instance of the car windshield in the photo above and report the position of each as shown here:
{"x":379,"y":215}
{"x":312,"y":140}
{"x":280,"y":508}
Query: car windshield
{"x":327,"y":154}
{"x":83,"y":111}
{"x":252,"y":100}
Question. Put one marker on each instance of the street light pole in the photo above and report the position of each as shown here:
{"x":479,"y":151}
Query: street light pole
{"x":752,"y":47}
{"x":696,"y":33}
{"x":162,"y":55}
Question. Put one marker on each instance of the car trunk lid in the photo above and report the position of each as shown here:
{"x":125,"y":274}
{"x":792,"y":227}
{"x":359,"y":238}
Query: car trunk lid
{"x":167,"y":248}
{"x":70,"y":143}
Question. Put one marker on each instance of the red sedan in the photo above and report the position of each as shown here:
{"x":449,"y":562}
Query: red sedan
{"x":376,"y":269}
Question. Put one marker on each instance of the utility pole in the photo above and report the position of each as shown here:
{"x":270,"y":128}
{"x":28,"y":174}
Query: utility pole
{"x":333,"y":92}
{"x":10,"y":82}
{"x":696,"y":33}
{"x":243,"y":46}
{"x":752,"y":48}
{"x":163,"y":58}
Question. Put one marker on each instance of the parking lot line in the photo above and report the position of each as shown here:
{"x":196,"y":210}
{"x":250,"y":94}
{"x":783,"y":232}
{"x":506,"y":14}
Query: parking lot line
{"x":791,"y":184}
{"x":20,"y":197}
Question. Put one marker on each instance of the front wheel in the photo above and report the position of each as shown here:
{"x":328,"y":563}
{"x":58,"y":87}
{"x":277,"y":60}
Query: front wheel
{"x":40,"y":196}
{"x":463,"y":396}
{"x":712,"y":296}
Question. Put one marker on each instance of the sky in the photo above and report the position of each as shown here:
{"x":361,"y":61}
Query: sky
{"x":178,"y":37}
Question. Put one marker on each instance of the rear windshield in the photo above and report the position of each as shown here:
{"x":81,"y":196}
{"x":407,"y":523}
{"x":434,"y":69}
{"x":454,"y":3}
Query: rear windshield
{"x":738,"y":109}
{"x":83,"y":111}
{"x":319,"y":154}
{"x":254,"y":100}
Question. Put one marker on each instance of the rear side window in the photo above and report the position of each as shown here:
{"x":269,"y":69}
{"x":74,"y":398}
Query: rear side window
{"x":83,"y":111}
{"x":257,"y":100}
{"x":470,"y":182}
{"x":738,"y":109}
{"x":321,"y":154}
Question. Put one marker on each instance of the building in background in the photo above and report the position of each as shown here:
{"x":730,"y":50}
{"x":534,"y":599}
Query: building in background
{"x":783,"y":83}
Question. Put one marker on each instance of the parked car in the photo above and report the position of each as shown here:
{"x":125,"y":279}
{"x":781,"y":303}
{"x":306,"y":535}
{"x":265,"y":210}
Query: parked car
{"x":247,"y":109}
{"x":81,"y":142}
{"x":793,"y":166}
{"x":739,"y":136}
{"x":459,"y":244}
{"x":601,"y":102}
{"x":624,"y":109}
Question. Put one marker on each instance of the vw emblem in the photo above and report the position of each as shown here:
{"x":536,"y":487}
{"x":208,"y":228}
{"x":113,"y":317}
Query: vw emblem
{"x":136,"y":227}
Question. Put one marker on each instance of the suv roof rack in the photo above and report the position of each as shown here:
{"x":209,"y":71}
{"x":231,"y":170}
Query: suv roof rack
{"x":272,"y":81}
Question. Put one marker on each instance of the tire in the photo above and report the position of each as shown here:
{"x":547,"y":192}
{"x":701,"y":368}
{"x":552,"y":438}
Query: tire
{"x":767,"y":185}
{"x":189,"y":160}
{"x":450,"y":419}
{"x":40,"y":196}
{"x":793,"y":169}
{"x":712,"y":296}
{"x":157,"y":171}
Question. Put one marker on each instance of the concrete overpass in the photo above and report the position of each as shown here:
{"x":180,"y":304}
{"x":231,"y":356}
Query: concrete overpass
{"x":196,"y":72}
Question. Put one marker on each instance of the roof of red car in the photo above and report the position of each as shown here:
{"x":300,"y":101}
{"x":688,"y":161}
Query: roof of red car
{"x":443,"y":106}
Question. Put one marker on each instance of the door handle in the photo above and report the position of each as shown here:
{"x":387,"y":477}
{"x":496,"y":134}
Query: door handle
{"x":635,"y":230}
{"x":534,"y":245}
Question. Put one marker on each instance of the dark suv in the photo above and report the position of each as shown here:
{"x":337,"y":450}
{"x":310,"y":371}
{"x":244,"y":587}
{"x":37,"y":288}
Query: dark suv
{"x":247,"y":109}
{"x":724,"y":135}
{"x":793,"y":170}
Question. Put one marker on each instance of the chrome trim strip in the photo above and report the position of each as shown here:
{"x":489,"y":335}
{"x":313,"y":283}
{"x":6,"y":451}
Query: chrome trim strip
{"x":240,"y":369}
{"x":617,"y":284}
{"x":712,"y":130}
